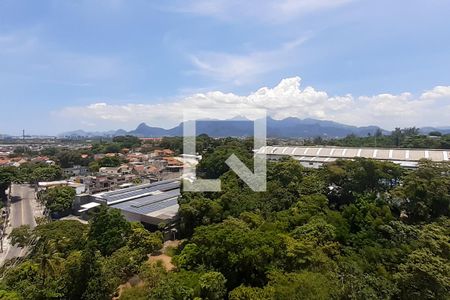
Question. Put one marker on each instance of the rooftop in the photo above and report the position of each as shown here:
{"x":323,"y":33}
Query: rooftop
{"x":157,"y":200}
{"x":156,"y":205}
{"x":138,"y":191}
{"x":323,"y":153}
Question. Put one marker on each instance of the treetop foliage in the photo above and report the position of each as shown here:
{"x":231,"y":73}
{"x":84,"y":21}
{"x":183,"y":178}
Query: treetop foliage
{"x":352,"y":229}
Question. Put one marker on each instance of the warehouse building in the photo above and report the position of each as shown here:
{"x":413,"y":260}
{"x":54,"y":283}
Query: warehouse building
{"x":314,"y":157}
{"x":151,"y":204}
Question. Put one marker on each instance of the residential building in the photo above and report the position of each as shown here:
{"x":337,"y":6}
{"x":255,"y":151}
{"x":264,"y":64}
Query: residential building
{"x":76,"y":171}
{"x":162,"y":153}
{"x":103,"y":183}
{"x":120,"y":170}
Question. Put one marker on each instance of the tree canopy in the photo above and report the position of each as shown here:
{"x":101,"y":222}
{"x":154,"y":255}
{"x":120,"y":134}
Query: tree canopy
{"x":352,"y":229}
{"x":58,"y":200}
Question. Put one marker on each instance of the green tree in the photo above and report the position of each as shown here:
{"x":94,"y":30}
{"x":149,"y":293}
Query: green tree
{"x":94,"y":166}
{"x":109,"y":230}
{"x":212,"y":285}
{"x":134,"y":293}
{"x":425,"y":192}
{"x":25,"y":280}
{"x":213,"y":164}
{"x":144,"y":241}
{"x":199,"y":211}
{"x":350,"y":178}
{"x":75,"y":274}
{"x":58,"y":200}
{"x":177,"y":285}
{"x":84,"y":276}
{"x":21,"y":235}
{"x":424,"y":276}
{"x":127,"y":141}
{"x":109,"y":161}
{"x":251,"y":293}
{"x":7,"y":295}
{"x":98,"y":287}
{"x":65,"y":235}
{"x":241,"y":254}
{"x":45,"y":173}
{"x":49,"y":261}
{"x":7,"y":176}
{"x":304,"y":285}
{"x":435,"y":133}
{"x":122,"y":265}
{"x":112,"y":148}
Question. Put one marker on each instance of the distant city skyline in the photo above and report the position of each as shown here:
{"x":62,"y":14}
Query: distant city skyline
{"x":103,"y":65}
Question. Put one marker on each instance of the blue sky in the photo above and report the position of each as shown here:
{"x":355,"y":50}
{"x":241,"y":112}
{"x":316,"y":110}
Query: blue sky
{"x":98,"y":64}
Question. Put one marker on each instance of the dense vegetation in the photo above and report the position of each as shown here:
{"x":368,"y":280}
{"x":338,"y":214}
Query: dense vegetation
{"x":27,"y":172}
{"x":399,"y":138}
{"x":57,"y":200}
{"x":70,"y":260}
{"x":359,"y":229}
{"x":355,"y":229}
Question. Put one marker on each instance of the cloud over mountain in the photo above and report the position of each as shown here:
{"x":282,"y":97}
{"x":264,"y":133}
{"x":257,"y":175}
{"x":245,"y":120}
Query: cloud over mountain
{"x":287,"y":99}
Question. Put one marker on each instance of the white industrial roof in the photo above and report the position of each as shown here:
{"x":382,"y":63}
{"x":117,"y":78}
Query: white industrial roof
{"x":317,"y":153}
{"x":52,"y":183}
{"x":88,"y":206}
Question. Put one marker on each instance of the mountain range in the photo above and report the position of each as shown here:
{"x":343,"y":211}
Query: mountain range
{"x":241,"y":127}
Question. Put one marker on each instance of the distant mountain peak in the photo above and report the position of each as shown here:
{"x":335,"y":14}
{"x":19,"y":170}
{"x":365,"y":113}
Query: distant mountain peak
{"x":240,"y":126}
{"x":239,"y":118}
{"x":142,"y":125}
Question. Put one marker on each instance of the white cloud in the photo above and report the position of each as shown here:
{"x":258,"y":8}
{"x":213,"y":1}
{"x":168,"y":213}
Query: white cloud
{"x":263,"y":11}
{"x":439,"y":92}
{"x":287,"y":99}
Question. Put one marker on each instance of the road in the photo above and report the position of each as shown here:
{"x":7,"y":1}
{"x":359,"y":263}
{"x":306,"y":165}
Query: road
{"x":21,"y":213}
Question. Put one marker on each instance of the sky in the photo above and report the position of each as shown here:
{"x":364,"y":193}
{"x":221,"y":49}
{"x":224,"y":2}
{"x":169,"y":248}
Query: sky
{"x":108,"y":64}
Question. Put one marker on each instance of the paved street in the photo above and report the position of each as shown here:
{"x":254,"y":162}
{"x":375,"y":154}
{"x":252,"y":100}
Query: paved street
{"x":22,"y":212}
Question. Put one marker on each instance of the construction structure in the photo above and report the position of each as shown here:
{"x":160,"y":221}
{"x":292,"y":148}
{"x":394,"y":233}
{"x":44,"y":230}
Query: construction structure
{"x":314,"y":157}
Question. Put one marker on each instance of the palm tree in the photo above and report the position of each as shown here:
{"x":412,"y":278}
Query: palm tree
{"x":49,"y":260}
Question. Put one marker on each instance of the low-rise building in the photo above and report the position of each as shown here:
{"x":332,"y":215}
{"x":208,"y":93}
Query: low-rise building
{"x":145,"y":170}
{"x":78,"y":187}
{"x":104,"y":183}
{"x":76,"y":171}
{"x":151,"y":204}
{"x":173,"y":164}
{"x":4,"y":161}
{"x":314,"y":157}
{"x":120,"y":170}
{"x":137,"y":157}
{"x":162,"y":153}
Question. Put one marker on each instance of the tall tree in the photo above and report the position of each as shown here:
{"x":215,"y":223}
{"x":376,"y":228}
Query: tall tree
{"x":58,"y":200}
{"x":7,"y":176}
{"x":109,"y":230}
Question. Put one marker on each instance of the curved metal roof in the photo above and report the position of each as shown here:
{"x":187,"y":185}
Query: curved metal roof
{"x":308,"y":152}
